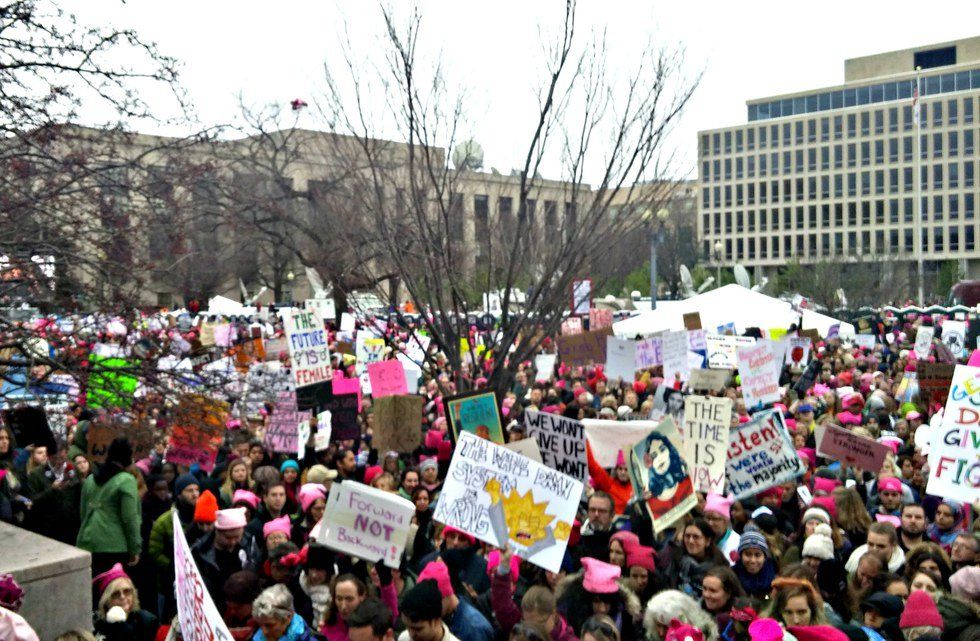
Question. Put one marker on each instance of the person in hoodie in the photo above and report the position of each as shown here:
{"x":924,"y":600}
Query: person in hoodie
{"x":538,"y":605}
{"x":110,"y":510}
{"x":617,"y":485}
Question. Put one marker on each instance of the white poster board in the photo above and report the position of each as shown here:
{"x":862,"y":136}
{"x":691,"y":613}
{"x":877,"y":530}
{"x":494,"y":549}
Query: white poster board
{"x":758,"y":370}
{"x":544,"y":365}
{"x":365,"y":522}
{"x":309,"y":354}
{"x":503,"y":498}
{"x":923,"y":341}
{"x":761,"y":455}
{"x":705,"y":436}
{"x":198,"y":616}
{"x":561,"y":442}
{"x":954,"y":449}
{"x":675,"y":356}
{"x":954,"y":337}
{"x":620,"y":359}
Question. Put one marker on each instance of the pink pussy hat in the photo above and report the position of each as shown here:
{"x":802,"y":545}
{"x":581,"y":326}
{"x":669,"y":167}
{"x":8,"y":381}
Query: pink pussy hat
{"x":230,"y":519}
{"x":600,"y":577}
{"x":718,"y":504}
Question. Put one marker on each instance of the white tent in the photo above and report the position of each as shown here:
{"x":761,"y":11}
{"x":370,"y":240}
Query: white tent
{"x":728,"y":304}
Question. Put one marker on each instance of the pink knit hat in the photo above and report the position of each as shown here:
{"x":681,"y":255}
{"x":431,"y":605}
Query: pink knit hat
{"x":626,"y":538}
{"x":432,"y":439}
{"x":765,"y":630}
{"x":889,"y":484}
{"x":102,"y":581}
{"x":244,"y":496}
{"x":718,"y":504}
{"x":438,"y":572}
{"x":683,"y":632}
{"x":920,"y":610}
{"x":600,"y":577}
{"x":372,"y":473}
{"x":642,"y":556}
{"x":277,"y":525}
{"x":310,"y":492}
{"x":821,"y":484}
{"x":230,"y":519}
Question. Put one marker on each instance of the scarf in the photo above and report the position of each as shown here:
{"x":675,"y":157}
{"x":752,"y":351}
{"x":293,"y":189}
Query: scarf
{"x":319,"y":595}
{"x":756,"y":585}
{"x":297,"y":628}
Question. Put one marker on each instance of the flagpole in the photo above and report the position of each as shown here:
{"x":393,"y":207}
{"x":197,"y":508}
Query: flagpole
{"x":917,"y":151}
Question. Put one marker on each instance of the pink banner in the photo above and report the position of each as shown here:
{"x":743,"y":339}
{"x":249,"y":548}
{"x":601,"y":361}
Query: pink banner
{"x":387,"y":378}
{"x":850,"y":448}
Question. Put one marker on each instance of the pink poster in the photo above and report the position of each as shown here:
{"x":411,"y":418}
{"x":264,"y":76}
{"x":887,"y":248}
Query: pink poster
{"x":343,"y":385}
{"x":387,"y":378}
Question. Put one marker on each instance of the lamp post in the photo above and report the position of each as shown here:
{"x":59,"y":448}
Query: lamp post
{"x":656,"y":237}
{"x":718,"y":248}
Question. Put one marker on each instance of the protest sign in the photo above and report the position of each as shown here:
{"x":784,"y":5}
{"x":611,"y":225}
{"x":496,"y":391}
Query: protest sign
{"x":571,"y":326}
{"x":262,"y":385}
{"x":325,"y":308}
{"x":657,"y":466}
{"x":761,"y":455}
{"x":397,"y":423}
{"x":343,"y":416}
{"x":274,"y":347}
{"x":696,"y":341}
{"x":197,"y":431}
{"x":847,"y":447}
{"x":692,"y":321}
{"x":581,"y":296}
{"x":367,"y":349}
{"x":812,"y":334}
{"x":561,"y":442}
{"x":365,"y":522}
{"x":600,"y":319}
{"x":97,"y":439}
{"x":207,"y":334}
{"x":475,"y":412}
{"x":954,"y":452}
{"x":649,"y":352}
{"x":705,"y":437}
{"x":923,"y":341}
{"x":526,"y":447}
{"x":544,"y":366}
{"x":620,"y":359}
{"x":865,"y":341}
{"x":282,"y":429}
{"x":583,"y":349}
{"x":111,"y":382}
{"x":412,"y":373}
{"x":934,"y":380}
{"x":247,"y":352}
{"x":416,"y":347}
{"x":797,"y":351}
{"x":675,"y":346}
{"x":503,"y":498}
{"x":198,"y":616}
{"x":757,"y":367}
{"x":308,"y":352}
{"x":711,"y":380}
{"x":347,"y":322}
{"x":608,"y":438}
{"x":723,"y":349}
{"x":387,"y":378}
{"x":954,"y":337}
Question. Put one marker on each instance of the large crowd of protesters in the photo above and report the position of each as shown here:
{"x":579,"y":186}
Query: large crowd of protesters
{"x":863,"y":555}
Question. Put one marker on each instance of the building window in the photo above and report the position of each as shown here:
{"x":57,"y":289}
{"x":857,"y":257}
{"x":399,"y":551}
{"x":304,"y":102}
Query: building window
{"x":893,"y":119}
{"x":937,"y":114}
{"x":907,"y":179}
{"x":838,"y":156}
{"x":968,"y":206}
{"x":893,"y":213}
{"x":909,"y":241}
{"x":907,"y":118}
{"x":728,"y":142}
{"x":937,"y":239}
{"x":937,"y":145}
{"x":738,"y":140}
{"x":968,"y":244}
{"x":954,"y":175}
{"x":953,"y":145}
{"x":937,"y":176}
{"x":954,"y":207}
{"x":750,"y":139}
{"x":865,"y":123}
{"x":907,"y":148}
{"x":879,"y":121}
{"x":968,"y":141}
{"x":865,"y":154}
{"x":893,"y":181}
{"x":968,"y":110}
{"x":852,"y":214}
{"x":762,"y":137}
{"x":952,"y":112}
{"x":893,"y":150}
{"x":968,"y":173}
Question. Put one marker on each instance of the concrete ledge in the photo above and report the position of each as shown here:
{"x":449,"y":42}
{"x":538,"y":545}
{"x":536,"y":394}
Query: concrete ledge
{"x":56,"y":579}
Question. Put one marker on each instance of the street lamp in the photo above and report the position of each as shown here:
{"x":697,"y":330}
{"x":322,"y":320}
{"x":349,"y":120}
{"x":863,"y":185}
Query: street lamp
{"x":718,"y":248}
{"x":656,"y":237}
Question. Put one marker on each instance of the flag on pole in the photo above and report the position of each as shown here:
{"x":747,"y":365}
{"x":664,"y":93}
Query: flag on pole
{"x":915,"y":101}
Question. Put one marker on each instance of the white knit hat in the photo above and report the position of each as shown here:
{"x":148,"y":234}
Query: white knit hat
{"x":819,"y":544}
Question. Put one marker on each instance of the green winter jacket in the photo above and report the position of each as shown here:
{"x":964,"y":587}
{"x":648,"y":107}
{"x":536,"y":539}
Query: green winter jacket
{"x":110,"y":515}
{"x":161,"y":543}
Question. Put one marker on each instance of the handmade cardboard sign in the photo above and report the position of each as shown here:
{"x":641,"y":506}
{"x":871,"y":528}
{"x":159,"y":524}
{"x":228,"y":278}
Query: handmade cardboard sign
{"x":197,"y":431}
{"x":675,"y":346}
{"x":207,"y":334}
{"x":723,"y":349}
{"x":658,"y":471}
{"x":757,"y":367}
{"x":797,"y":351}
{"x":503,"y":498}
{"x":387,"y":378}
{"x":705,"y":437}
{"x":97,"y":438}
{"x":526,"y":447}
{"x":571,"y":326}
{"x":544,"y":366}
{"x":934,"y":380}
{"x":368,"y":349}
{"x":477,"y":413}
{"x":561,"y":442}
{"x":954,"y":452}
{"x":581,"y":296}
{"x":398,"y":423}
{"x":282,"y":432}
{"x":692,"y":321}
{"x":761,"y":455}
{"x":710,"y":380}
{"x":847,"y":447}
{"x":583,"y":349}
{"x":275,"y":347}
{"x":600,"y":319}
{"x":865,"y":341}
{"x":620,"y":359}
{"x":198,"y":616}
{"x":649,"y":352}
{"x":923,"y":341}
{"x":365,"y":522}
{"x":308,"y":351}
{"x":954,"y":337}
{"x":812,"y":334}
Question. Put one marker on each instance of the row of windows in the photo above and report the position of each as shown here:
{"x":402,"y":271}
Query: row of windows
{"x":878,"y":212}
{"x":870,"y":94}
{"x":938,"y":177}
{"x":938,"y":114}
{"x":942,"y":239}
{"x":939,"y":145}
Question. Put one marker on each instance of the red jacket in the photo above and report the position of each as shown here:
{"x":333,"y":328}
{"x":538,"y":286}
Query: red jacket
{"x":619,"y":491}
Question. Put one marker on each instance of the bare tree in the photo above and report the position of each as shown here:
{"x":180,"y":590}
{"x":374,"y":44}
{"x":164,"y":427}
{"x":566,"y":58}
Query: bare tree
{"x":599,"y":125}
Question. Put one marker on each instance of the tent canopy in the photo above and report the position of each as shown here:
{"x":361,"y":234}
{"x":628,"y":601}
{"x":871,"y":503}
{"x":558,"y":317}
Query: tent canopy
{"x":728,"y":304}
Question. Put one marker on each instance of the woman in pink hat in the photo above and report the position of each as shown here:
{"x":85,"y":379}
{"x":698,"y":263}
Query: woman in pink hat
{"x":599,"y":589}
{"x":118,"y":616}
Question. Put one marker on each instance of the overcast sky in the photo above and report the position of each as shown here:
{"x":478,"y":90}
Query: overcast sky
{"x":273,"y":52}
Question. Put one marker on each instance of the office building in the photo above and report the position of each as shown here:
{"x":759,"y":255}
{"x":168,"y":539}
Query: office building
{"x":830,"y":174}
